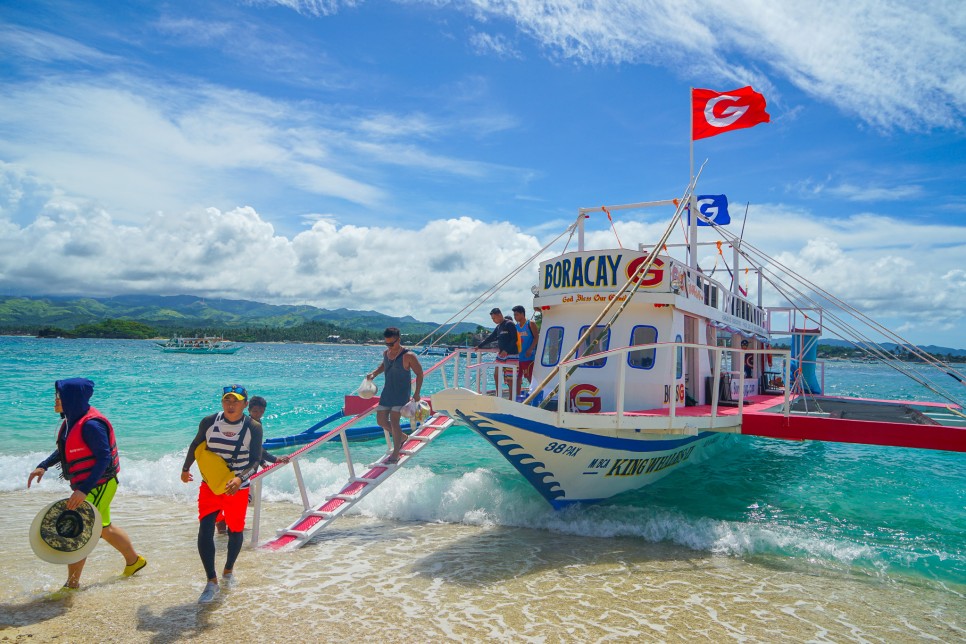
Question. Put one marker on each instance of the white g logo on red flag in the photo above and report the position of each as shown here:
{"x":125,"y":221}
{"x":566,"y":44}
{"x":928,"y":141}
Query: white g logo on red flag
{"x":716,"y":112}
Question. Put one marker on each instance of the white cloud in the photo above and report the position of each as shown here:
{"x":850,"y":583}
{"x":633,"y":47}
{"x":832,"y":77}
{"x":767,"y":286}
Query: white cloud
{"x":42,"y":46}
{"x":133,"y":145}
{"x":430,"y":272}
{"x":493,"y":44}
{"x":851,"y":191}
{"x":891,"y":63}
{"x":854,"y":192}
{"x":433,"y":271}
{"x":311,"y":7}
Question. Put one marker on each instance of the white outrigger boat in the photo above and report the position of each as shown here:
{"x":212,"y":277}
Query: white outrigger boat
{"x":644,"y":363}
{"x":204,"y":344}
{"x":664,"y":361}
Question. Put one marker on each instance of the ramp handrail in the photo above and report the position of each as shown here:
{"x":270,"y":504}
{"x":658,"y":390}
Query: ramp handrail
{"x":256,"y":479}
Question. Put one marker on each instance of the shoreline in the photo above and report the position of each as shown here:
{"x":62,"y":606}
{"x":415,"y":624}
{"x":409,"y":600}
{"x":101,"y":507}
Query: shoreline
{"x":384,"y":581}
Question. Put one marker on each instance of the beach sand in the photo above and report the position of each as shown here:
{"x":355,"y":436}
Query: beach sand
{"x":378,"y":581}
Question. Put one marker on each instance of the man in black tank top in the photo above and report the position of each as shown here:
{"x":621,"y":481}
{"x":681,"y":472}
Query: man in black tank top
{"x":397,"y":364}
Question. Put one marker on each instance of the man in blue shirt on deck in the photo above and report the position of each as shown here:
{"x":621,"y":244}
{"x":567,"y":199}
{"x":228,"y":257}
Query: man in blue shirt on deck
{"x":507,"y":341}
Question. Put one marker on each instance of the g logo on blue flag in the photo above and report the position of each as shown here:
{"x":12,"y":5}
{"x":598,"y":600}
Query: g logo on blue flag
{"x":715,"y":208}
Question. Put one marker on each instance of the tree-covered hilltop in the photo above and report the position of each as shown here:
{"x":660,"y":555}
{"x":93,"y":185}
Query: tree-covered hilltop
{"x":139,"y":316}
{"x":308,"y":332}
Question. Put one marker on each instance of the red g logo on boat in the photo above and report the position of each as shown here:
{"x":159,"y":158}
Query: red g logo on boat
{"x":584,"y":399}
{"x":653,"y":277}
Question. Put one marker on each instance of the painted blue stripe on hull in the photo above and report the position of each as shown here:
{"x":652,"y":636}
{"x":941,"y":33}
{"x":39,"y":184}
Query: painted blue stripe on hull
{"x":584,"y":438}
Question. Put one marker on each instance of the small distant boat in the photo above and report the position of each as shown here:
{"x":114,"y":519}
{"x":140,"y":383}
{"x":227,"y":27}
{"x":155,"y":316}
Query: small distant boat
{"x":433,"y":351}
{"x":206,"y":344}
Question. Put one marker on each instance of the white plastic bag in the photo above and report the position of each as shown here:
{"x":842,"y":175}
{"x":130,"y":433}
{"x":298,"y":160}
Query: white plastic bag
{"x":408,"y":409}
{"x":367,"y":389}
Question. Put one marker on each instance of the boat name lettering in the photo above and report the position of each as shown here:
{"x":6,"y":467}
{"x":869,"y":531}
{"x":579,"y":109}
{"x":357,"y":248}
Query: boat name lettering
{"x":562,"y":448}
{"x":599,"y":463}
{"x":639,"y":466}
{"x":597,"y":270}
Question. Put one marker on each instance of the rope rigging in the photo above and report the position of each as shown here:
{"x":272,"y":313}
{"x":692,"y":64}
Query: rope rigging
{"x":480,"y":299}
{"x":840,"y":327}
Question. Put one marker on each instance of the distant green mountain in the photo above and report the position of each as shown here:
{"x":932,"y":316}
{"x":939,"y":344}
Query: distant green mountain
{"x":888,"y":346}
{"x":174,"y":312}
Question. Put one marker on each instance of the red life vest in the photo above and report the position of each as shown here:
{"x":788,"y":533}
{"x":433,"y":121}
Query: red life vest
{"x":77,"y":455}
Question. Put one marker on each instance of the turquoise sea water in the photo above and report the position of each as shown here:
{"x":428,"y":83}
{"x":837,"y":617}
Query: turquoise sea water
{"x":882,"y":512}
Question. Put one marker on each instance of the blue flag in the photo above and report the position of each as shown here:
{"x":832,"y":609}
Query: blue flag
{"x":715,"y":208}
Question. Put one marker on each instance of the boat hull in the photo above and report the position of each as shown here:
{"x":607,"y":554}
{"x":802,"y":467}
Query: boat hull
{"x":223,"y":351}
{"x":569,"y":465}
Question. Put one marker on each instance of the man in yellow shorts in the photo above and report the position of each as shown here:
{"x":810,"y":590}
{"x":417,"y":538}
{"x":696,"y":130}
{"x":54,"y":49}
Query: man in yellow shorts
{"x":87,"y":454}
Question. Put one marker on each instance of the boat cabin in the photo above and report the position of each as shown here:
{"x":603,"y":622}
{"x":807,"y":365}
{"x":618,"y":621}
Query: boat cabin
{"x":674,"y":303}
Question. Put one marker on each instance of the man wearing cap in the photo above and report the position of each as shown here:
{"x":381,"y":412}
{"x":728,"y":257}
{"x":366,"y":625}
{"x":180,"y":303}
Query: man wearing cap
{"x":237,"y":439}
{"x":507,"y":341}
{"x":87,"y":455}
{"x":256,"y":409}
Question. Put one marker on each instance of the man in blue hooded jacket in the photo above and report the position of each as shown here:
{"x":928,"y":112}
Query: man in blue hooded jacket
{"x":87,"y":455}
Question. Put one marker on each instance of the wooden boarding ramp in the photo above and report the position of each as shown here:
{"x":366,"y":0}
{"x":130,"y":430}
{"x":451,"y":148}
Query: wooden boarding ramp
{"x":356,"y":488}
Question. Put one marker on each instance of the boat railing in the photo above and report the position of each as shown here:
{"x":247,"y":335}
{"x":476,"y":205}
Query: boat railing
{"x":475,"y":377}
{"x":568,"y":417}
{"x":714,"y":293}
{"x":333,"y":434}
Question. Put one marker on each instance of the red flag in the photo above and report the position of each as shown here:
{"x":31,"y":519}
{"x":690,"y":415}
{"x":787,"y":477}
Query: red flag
{"x":717,"y":112}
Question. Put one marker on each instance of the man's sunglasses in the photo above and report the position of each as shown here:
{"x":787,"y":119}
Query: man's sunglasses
{"x":236,"y":389}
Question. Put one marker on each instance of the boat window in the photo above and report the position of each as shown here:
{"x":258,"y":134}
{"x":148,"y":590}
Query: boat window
{"x":552,"y":341}
{"x":680,"y":359}
{"x":643,"y":359}
{"x":602,"y":345}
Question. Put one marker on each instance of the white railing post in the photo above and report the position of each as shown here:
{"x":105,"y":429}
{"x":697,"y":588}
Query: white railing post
{"x":348,"y":457}
{"x":301,"y":483}
{"x":715,"y":383}
{"x":479,"y":371}
{"x":256,"y":510}
{"x":741,"y":382}
{"x":787,"y":372}
{"x":562,"y":398}
{"x":621,"y":375}
{"x":673,"y":398}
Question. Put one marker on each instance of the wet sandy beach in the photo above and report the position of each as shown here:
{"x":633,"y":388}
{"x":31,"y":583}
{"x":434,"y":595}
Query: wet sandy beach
{"x":390,"y":581}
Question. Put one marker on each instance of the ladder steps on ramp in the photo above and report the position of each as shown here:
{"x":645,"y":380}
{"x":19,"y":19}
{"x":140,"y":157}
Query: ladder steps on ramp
{"x":347,"y":497}
{"x":356,"y":488}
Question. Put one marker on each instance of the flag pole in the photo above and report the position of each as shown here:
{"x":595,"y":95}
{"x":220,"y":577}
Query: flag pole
{"x":691,"y":133}
{"x":692,"y":201}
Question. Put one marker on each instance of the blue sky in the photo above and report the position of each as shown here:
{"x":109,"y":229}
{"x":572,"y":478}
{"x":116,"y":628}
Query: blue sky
{"x":404,"y":156}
